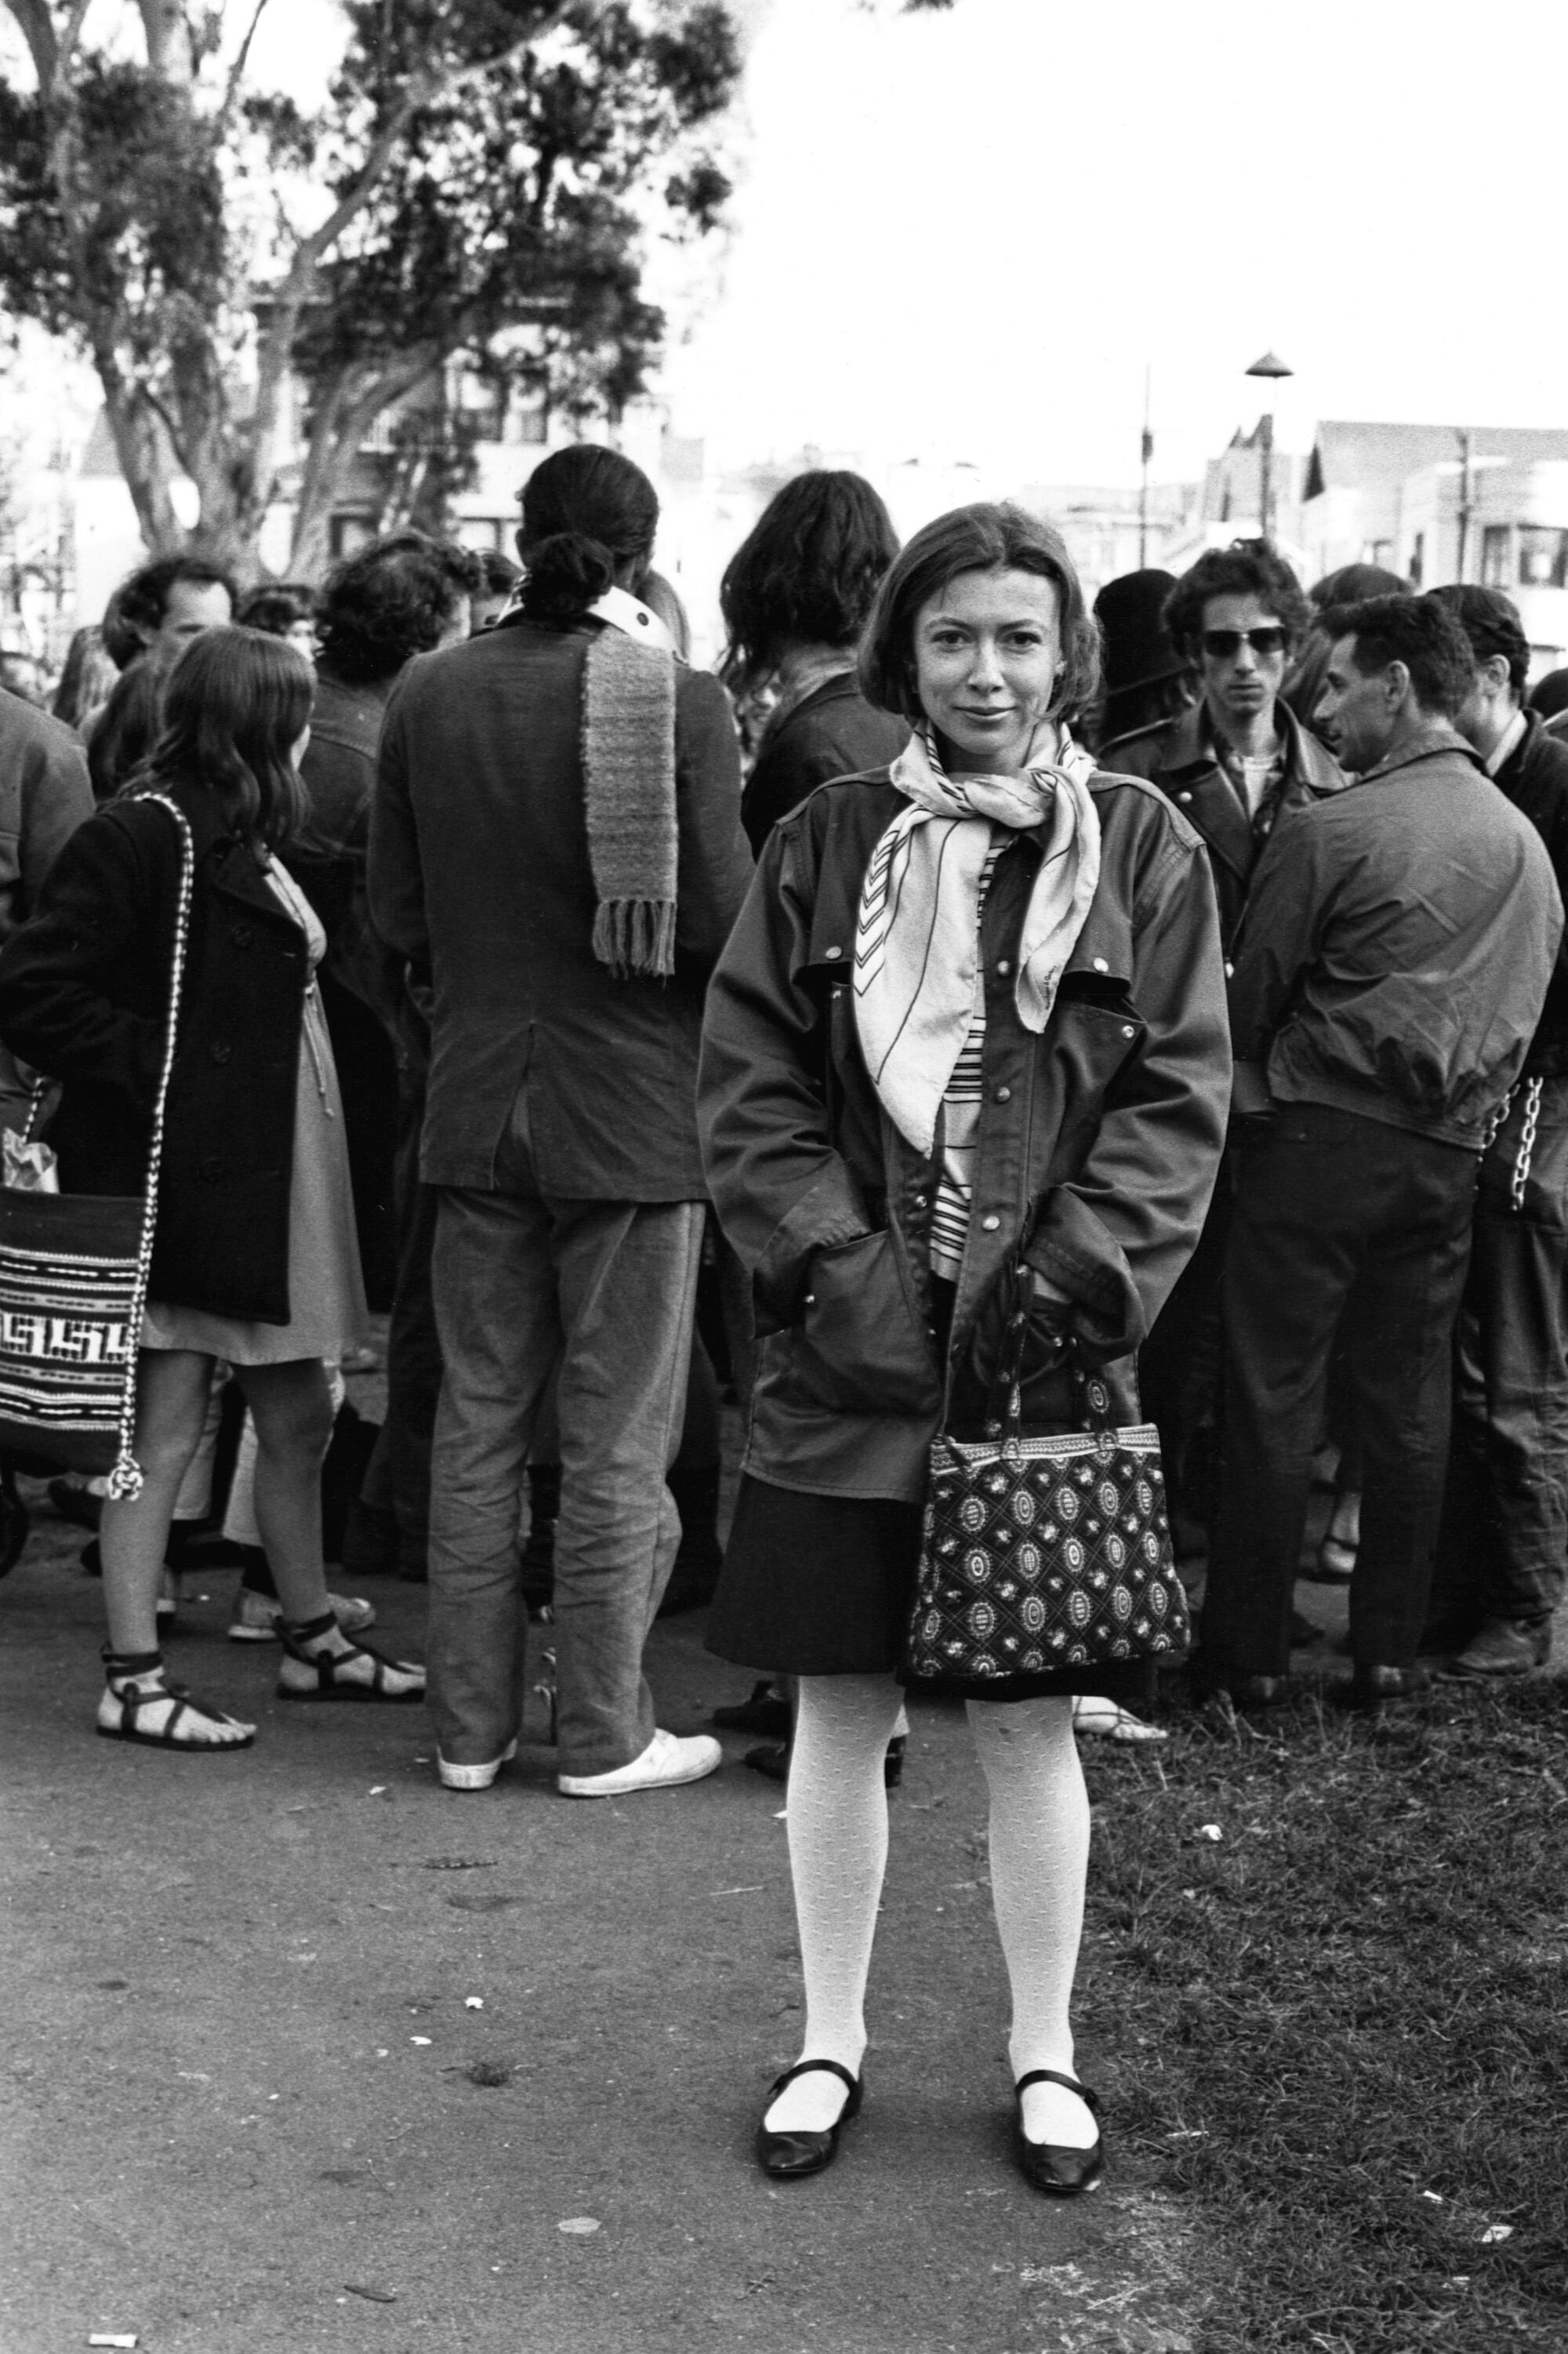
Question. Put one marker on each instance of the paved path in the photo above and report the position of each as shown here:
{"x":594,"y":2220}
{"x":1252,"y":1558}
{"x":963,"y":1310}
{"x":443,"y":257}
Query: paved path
{"x":240,"y":2053}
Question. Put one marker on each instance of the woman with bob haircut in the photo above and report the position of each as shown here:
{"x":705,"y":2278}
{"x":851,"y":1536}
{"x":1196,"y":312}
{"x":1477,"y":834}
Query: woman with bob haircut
{"x":965,"y":1056}
{"x":254,"y":1259}
{"x":795,"y":596}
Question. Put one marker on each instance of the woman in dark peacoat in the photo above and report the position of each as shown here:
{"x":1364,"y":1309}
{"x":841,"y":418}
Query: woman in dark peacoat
{"x":84,"y":995}
{"x":236,"y":1274}
{"x":966,"y":1048}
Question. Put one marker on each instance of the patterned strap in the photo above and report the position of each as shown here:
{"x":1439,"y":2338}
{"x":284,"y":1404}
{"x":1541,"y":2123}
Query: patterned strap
{"x":126,"y":1479}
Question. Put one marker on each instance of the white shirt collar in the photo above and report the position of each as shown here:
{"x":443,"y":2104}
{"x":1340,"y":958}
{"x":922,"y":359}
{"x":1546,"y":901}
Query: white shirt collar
{"x":628,"y":613}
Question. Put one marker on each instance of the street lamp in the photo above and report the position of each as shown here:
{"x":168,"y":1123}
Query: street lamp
{"x":1272,"y":368}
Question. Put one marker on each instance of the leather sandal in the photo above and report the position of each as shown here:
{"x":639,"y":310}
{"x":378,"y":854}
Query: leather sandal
{"x":121,"y":1709}
{"x":1054,"y":2166}
{"x":306,"y":1674}
{"x":787,"y":2156}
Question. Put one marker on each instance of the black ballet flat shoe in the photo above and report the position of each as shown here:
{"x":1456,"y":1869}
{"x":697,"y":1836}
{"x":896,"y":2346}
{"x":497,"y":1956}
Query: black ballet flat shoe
{"x":1050,"y":2165}
{"x":786,"y":2156}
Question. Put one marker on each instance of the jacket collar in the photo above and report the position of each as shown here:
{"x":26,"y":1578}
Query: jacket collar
{"x":1191,"y":774}
{"x":1308,"y":767}
{"x":1102,"y":954}
{"x":1435,"y":740}
{"x":228,"y":864}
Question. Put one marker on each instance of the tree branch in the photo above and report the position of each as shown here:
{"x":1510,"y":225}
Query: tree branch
{"x":38,"y":24}
{"x":236,"y":71}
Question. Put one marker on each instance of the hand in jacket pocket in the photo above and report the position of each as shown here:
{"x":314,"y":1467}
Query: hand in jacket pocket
{"x":860,"y":1346}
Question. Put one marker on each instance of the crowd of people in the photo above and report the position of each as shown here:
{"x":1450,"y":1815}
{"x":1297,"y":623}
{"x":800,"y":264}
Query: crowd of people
{"x":1172,"y":985}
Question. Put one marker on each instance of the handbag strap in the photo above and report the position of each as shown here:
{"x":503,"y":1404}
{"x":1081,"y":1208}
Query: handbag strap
{"x":124,"y":1481}
{"x":1093,"y":1391}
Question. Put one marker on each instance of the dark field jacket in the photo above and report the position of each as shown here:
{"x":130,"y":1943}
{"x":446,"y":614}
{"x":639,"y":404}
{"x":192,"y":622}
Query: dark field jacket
{"x":480,"y":880}
{"x":832,"y":732}
{"x":84,"y":993}
{"x":1534,"y":778}
{"x":1101,"y":1136}
{"x":1398,"y":945}
{"x":1178,"y":756}
{"x":328,"y":857}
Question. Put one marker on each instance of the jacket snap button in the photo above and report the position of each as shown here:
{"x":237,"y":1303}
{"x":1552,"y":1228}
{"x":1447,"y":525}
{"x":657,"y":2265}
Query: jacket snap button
{"x":990,"y":1225}
{"x":1004,"y":1094}
{"x":1003,"y":967}
{"x":1100,"y":965}
{"x":1230,"y":969}
{"x":811,"y":1300}
{"x":919,"y":1202}
{"x":833,"y":953}
{"x":1128,"y":1030}
{"x":1184,"y":797}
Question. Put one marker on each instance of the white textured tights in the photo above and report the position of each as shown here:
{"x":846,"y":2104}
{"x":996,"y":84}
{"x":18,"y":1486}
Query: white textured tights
{"x":838,"y":1851}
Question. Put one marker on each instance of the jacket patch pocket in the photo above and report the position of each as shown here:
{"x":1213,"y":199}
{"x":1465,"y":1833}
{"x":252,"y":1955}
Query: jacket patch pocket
{"x":860,"y":1347}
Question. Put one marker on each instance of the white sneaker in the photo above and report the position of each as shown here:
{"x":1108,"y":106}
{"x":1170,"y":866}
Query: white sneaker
{"x":473,"y":1777}
{"x":666,"y":1761}
{"x":256,"y":1616}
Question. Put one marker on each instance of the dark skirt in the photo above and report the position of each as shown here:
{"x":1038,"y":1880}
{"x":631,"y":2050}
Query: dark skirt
{"x":823,"y":1585}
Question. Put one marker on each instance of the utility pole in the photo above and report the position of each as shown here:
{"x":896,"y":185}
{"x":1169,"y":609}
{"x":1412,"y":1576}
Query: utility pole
{"x":1147,"y":449}
{"x":1271,"y":368}
{"x":1464,"y":547}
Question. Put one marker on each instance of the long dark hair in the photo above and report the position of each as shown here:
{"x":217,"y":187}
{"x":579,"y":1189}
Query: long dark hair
{"x":238,"y":702}
{"x":585,"y":511}
{"x":807,"y":571}
{"x":130,"y":721}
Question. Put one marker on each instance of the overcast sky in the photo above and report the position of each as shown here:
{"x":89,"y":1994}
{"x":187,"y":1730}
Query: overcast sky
{"x":963,"y":236}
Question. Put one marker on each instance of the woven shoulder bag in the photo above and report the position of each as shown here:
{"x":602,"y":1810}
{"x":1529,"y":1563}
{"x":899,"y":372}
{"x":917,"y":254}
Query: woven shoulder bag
{"x":1045,"y":1555}
{"x":73,"y":1287}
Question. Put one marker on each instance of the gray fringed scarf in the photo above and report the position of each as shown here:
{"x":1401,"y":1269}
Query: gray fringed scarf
{"x":629,"y":766}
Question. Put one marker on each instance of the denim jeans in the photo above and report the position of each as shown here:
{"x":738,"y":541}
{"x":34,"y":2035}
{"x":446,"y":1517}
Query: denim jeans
{"x":1341,"y":1224}
{"x":1504,"y":1546}
{"x":606,"y":1289}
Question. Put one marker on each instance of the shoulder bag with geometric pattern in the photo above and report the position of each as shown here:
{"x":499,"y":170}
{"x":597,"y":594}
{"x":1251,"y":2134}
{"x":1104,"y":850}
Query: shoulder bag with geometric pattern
{"x":73,"y":1286}
{"x":1044,"y":1555}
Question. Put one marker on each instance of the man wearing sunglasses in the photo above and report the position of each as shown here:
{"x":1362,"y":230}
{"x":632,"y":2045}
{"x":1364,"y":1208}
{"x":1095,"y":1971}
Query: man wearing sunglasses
{"x":1232,"y":764}
{"x":1388,"y":983}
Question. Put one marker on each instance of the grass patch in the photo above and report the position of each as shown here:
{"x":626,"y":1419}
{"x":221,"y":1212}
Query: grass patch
{"x":1356,"y":1996}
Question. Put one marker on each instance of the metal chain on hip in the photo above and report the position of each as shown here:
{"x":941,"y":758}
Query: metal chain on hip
{"x":1526,"y":1153}
{"x":1527,"y":1134}
{"x":124,"y":1483}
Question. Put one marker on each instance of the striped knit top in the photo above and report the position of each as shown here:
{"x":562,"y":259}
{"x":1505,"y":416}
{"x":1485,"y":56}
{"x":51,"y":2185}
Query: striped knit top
{"x":962,"y":1108}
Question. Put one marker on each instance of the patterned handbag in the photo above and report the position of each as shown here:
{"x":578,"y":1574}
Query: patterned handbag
{"x":1044,"y":1555}
{"x":73,"y":1286}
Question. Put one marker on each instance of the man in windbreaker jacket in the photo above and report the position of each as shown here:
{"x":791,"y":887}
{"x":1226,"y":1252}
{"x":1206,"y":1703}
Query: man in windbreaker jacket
{"x":1390,"y":973}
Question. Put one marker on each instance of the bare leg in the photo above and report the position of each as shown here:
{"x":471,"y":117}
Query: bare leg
{"x":291,"y":1406}
{"x":172,"y":1387}
{"x":293,"y":1409}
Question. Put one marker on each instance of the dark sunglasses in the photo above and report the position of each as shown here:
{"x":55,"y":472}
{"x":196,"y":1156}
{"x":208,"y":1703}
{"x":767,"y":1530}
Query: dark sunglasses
{"x":1225,"y":643}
